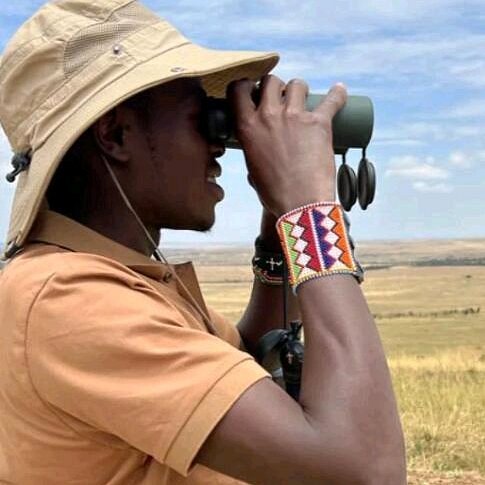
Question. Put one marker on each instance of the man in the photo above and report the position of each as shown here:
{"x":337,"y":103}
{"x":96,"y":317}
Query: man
{"x":112,"y":368}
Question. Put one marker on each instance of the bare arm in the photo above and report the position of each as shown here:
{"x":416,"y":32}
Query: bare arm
{"x":345,"y":430}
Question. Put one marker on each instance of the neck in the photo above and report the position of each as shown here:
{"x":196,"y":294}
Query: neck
{"x":126,"y":232}
{"x":114,"y":220}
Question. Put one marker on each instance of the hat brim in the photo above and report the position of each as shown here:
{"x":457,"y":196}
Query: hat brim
{"x":216,"y":68}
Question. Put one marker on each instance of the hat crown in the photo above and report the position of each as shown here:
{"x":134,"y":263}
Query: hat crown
{"x":54,"y":46}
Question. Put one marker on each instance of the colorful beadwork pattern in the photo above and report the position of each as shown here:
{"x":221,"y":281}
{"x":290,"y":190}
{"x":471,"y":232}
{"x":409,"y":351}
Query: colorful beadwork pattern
{"x":315,"y":242}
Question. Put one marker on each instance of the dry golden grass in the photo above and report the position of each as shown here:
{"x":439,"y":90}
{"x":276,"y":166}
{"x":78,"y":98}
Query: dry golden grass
{"x":442,"y":404}
{"x":436,"y":350}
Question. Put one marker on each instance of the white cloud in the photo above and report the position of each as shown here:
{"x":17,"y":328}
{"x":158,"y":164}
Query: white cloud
{"x":411,"y":167}
{"x":460,"y":159}
{"x":471,"y":71}
{"x":428,"y":132}
{"x":345,"y":18}
{"x":466,"y":131}
{"x":421,"y":58}
{"x":474,"y":108}
{"x":467,"y":159}
{"x":424,"y":173}
{"x":394,"y":142}
{"x":348,"y":39}
{"x":439,"y":188}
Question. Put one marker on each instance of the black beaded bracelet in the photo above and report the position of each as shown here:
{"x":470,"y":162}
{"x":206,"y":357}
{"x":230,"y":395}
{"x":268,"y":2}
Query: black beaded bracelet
{"x":268,"y":266}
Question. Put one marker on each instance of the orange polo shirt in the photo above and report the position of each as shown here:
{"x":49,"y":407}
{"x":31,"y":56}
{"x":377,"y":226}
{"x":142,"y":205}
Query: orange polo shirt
{"x":108,"y":374}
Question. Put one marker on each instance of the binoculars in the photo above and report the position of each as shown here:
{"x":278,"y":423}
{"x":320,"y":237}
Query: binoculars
{"x":352,"y":128}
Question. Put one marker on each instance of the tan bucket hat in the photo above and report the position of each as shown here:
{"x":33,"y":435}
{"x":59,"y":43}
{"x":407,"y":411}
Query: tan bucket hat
{"x":73,"y":61}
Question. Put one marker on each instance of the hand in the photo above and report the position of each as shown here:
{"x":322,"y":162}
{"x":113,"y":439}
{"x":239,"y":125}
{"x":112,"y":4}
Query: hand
{"x":288,"y":150}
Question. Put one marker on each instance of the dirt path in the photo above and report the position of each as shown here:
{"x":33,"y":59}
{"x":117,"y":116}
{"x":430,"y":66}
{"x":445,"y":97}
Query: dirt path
{"x":426,"y":478}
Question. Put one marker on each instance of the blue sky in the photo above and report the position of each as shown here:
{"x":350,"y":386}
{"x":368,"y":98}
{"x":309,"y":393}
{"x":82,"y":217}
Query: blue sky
{"x":421,"y":61}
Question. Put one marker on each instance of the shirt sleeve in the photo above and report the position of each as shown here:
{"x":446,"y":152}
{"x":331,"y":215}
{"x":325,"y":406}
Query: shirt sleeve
{"x":107,"y":348}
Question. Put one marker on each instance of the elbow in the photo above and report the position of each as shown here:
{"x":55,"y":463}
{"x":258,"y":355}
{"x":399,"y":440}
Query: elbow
{"x":351,"y":456}
{"x":385,"y":468}
{"x":357,"y":466}
{"x":369,"y":474}
{"x":350,"y":471}
{"x":392,"y":472}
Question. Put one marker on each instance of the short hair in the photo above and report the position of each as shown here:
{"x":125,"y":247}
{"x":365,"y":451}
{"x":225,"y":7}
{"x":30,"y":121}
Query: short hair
{"x":72,"y":190}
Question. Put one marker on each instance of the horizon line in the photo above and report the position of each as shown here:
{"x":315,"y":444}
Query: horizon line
{"x":364,"y":240}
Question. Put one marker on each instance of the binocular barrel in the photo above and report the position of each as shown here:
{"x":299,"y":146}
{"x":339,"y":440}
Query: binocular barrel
{"x":352,"y":126}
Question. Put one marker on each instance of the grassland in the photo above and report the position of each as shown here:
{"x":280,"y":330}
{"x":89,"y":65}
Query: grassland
{"x":432,"y":323}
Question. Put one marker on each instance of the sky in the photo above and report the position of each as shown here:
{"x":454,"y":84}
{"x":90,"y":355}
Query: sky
{"x":422,"y":62}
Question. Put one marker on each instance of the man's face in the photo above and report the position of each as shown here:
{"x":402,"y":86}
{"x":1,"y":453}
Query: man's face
{"x":171,"y":177}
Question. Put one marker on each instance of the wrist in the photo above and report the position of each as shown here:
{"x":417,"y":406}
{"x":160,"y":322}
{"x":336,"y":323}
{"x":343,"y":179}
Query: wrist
{"x":268,"y":239}
{"x":269,"y":243}
{"x":304,"y":199}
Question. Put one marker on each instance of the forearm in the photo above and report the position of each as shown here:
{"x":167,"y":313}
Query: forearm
{"x":265,"y":312}
{"x":346,"y":389}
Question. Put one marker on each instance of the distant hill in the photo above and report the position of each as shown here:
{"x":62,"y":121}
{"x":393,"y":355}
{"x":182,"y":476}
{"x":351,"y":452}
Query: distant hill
{"x":433,"y":252}
{"x":372,"y":254}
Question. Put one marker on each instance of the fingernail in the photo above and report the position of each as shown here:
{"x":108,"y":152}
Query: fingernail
{"x":342,"y":85}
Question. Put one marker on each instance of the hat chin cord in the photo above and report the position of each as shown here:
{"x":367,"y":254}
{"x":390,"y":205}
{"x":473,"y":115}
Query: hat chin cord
{"x":157,"y":253}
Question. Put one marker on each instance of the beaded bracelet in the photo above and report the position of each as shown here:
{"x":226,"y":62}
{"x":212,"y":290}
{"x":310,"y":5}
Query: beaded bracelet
{"x":316,"y":243}
{"x":268,"y":266}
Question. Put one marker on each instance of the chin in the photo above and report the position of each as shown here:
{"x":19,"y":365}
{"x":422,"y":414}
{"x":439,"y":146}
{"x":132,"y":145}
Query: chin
{"x":204,"y":225}
{"x":200,"y":223}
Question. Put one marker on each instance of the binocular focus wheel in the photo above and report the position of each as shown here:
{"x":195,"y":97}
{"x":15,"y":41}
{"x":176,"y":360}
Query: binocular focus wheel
{"x":367,"y":183}
{"x":347,"y":186}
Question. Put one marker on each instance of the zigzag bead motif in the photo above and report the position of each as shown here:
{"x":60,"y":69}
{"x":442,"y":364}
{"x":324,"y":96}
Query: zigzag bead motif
{"x":315,"y":242}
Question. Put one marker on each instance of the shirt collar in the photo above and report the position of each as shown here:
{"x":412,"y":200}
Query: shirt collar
{"x":53,"y":228}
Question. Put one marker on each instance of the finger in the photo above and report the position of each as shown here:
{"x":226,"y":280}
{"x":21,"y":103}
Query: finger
{"x":271,"y":91}
{"x":296,"y":94}
{"x":238,"y":94}
{"x":334,"y":101}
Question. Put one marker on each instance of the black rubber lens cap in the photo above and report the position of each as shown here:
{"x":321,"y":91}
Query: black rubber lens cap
{"x":366,"y":180}
{"x":347,"y":186}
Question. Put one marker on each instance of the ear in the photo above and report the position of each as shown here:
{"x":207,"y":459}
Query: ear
{"x":109,"y":133}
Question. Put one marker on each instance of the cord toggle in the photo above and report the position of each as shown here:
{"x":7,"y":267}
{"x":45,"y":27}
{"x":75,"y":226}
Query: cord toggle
{"x":20,"y":163}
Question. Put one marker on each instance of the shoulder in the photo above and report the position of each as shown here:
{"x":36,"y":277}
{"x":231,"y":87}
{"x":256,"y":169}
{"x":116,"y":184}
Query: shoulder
{"x":61,"y":281}
{"x":40,"y":262}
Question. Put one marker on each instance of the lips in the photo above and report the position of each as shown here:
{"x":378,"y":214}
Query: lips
{"x":214,"y":172}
